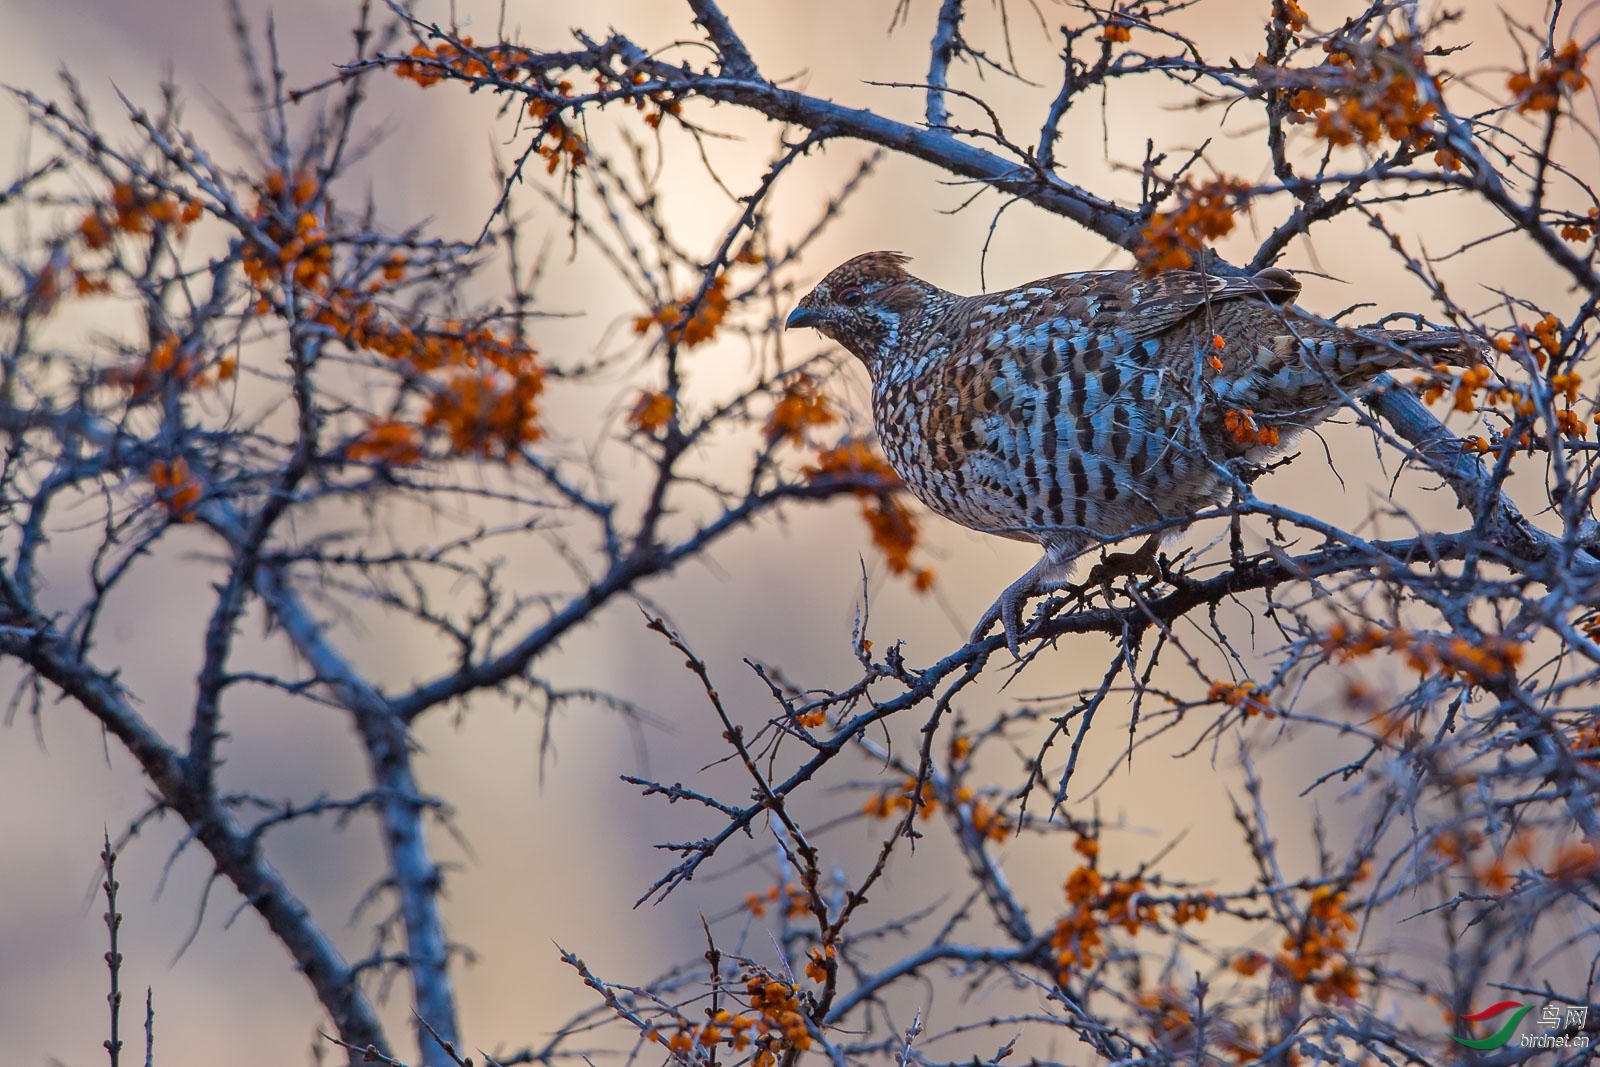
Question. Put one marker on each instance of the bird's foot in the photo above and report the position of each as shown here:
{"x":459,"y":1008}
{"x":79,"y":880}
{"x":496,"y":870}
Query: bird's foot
{"x":1127,"y":564}
{"x":1007,"y":611}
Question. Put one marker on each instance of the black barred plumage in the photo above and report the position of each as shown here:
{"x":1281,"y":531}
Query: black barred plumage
{"x":1077,"y":408}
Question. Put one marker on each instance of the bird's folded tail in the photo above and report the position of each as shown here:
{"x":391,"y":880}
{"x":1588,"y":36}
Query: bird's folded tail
{"x":1426,"y":347}
{"x":1308,"y":371}
{"x":1355,"y":357}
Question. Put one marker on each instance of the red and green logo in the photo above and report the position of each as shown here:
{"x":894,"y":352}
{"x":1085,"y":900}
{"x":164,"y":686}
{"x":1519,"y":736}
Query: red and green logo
{"x":1500,"y":1036}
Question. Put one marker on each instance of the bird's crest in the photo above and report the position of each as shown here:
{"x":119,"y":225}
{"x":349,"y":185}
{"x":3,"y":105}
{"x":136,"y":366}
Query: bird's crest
{"x":884,"y":267}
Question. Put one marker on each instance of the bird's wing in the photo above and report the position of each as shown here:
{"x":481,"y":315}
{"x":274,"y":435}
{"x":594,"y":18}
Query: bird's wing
{"x":1138,"y":306}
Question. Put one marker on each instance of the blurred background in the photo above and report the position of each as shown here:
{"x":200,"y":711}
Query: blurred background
{"x":557,"y":849}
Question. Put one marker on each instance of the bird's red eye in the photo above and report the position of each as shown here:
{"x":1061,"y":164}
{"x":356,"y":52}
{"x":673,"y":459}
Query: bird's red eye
{"x":851,"y":296}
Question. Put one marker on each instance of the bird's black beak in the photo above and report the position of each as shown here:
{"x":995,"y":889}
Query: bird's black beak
{"x":802,"y":317}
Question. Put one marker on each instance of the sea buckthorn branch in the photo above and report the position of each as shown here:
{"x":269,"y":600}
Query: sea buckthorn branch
{"x":978,"y":820}
{"x":31,"y":638}
{"x":1262,"y":572}
{"x":1310,"y":938}
{"x":299,"y":274}
{"x":1377,"y":93}
{"x":606,"y":55}
{"x":1316,"y":955}
{"x":687,"y":313}
{"x":1489,"y":639}
{"x":959,"y":157}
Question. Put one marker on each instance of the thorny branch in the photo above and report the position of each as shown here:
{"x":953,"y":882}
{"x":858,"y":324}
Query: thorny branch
{"x":1452,"y":673}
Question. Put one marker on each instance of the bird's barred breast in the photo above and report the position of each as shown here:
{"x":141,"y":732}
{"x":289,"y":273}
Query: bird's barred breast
{"x":1044,"y":428}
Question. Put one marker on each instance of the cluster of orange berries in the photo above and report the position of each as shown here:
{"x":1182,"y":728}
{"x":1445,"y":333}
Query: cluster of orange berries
{"x":1241,"y":695}
{"x":801,"y":405}
{"x":1540,"y":342}
{"x":1473,"y":379}
{"x":1362,"y":95}
{"x":387,"y":441}
{"x":1382,"y":95}
{"x":557,"y":141}
{"x":892,"y":800}
{"x":1541,"y":89}
{"x":689,"y":330}
{"x":679,"y":326}
{"x":176,"y":487}
{"x":987,"y":821}
{"x":488,"y":406}
{"x":427,"y":62}
{"x":488,"y":403}
{"x":793,"y":899}
{"x":1435,"y":385}
{"x":1248,"y":964}
{"x":129,"y":210}
{"x":1241,"y":422}
{"x":894,"y":531}
{"x":1169,"y":1013}
{"x":773,"y":1025}
{"x":780,"y":1024}
{"x":651,"y":412}
{"x":303,"y":252}
{"x":662,"y":102}
{"x":893,"y":528}
{"x":1079,"y":939}
{"x":1171,"y":239}
{"x":132,"y":210}
{"x":1473,"y":661}
{"x":358,"y":323}
{"x":488,"y":415}
{"x":1455,"y":847}
{"x":1317,"y":953}
{"x":819,"y":962}
{"x":816,"y":716}
{"x":853,"y":458}
{"x":164,"y":365}
{"x":1581,"y":232}
{"x":1116,"y":31}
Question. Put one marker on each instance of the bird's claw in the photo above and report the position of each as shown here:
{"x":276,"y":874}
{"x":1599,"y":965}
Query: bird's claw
{"x":1007,"y":611}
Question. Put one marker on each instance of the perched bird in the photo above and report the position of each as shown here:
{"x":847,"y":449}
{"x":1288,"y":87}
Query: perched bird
{"x":1081,"y":408}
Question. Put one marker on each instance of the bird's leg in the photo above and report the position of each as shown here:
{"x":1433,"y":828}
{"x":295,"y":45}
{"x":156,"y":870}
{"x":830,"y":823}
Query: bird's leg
{"x":1007,"y":611}
{"x":1051,"y":573}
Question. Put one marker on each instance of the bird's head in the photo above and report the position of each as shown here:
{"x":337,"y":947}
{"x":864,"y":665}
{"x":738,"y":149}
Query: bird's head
{"x":870,"y":305}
